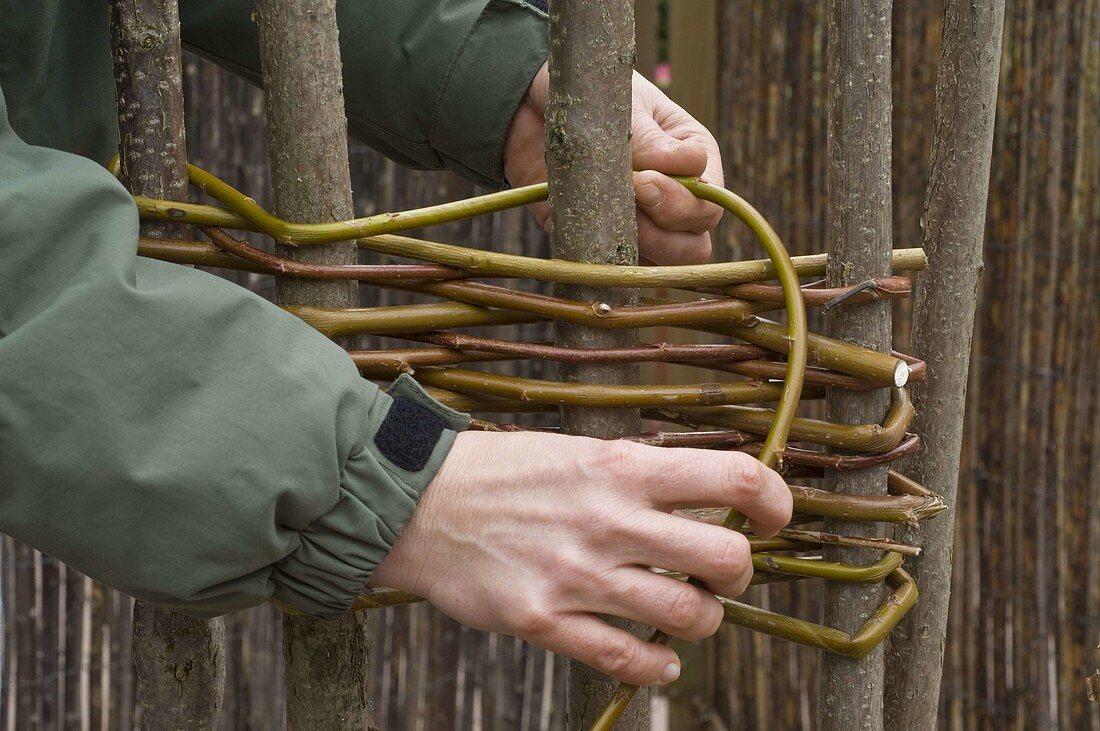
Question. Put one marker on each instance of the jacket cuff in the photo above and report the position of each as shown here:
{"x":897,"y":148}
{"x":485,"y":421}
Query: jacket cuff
{"x":485,"y":84}
{"x":339,"y":551}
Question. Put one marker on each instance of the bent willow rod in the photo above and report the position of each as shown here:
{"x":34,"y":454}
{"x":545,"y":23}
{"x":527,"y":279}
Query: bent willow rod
{"x":771,"y":362}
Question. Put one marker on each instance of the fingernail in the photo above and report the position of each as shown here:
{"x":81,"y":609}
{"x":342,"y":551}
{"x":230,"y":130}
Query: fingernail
{"x":649,"y":195}
{"x":671,"y":672}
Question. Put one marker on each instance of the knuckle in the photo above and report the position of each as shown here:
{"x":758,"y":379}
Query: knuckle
{"x":617,"y":459}
{"x":786,"y":500}
{"x":700,"y":251}
{"x":684,"y":611}
{"x":715,"y":217}
{"x":734,"y":559}
{"x":533,"y":621}
{"x":746,"y":475}
{"x":618,"y":656}
{"x":618,"y":528}
{"x":569,"y":558}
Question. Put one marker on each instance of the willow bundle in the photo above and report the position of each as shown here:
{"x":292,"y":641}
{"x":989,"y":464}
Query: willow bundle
{"x":780,"y":364}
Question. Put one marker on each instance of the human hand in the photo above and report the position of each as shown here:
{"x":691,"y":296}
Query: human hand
{"x":673,"y":225}
{"x":535,"y":534}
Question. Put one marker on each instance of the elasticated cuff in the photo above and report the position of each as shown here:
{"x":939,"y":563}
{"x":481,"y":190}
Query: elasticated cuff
{"x":340,"y":550}
{"x":487,"y":79}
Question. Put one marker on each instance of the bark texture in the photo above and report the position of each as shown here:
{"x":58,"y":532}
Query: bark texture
{"x":307,"y":136}
{"x":326,"y":661}
{"x":592,"y":220}
{"x":943,"y":326}
{"x":180,"y":661}
{"x":180,"y":665}
{"x":860,"y":240}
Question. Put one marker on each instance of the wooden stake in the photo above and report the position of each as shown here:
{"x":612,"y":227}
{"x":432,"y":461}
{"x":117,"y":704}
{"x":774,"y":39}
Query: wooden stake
{"x":954,"y":226}
{"x":592,"y":220}
{"x":180,"y":661}
{"x":850,"y":691}
{"x":326,"y":661}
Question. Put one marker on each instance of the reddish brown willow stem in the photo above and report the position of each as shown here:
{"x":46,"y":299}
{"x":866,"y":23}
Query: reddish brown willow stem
{"x":910,"y":446}
{"x":398,"y":275}
{"x":747,"y":360}
{"x":649,"y":353}
{"x":379,"y":273}
{"x":247,"y":257}
{"x":882,"y":288}
{"x":384,"y":364}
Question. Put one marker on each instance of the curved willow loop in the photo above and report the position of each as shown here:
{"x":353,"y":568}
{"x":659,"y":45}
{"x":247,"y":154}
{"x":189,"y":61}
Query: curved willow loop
{"x":873,"y":631}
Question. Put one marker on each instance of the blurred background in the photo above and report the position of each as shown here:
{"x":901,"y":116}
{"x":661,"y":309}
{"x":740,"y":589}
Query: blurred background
{"x":1025,"y":616}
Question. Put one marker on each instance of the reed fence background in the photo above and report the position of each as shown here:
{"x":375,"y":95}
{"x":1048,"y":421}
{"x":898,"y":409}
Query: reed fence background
{"x":1025,"y":618}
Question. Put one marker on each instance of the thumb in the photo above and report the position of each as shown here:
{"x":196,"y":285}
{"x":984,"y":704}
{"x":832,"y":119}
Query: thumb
{"x":655,"y":149}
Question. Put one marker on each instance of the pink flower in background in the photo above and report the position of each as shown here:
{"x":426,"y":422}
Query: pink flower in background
{"x":662,"y":76}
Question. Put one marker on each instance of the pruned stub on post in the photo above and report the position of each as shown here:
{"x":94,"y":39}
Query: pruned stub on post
{"x":762,"y":361}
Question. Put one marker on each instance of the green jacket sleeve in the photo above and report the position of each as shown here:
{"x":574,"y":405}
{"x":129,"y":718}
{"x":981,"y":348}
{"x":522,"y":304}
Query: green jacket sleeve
{"x":172,"y":434}
{"x":430,"y":83}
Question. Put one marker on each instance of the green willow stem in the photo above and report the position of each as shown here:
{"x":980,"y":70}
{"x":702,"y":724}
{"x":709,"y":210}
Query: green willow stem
{"x":876,"y":369}
{"x":837,"y":355}
{"x":388,"y":364}
{"x":549,"y":270}
{"x":882,"y":544}
{"x":375,"y":233}
{"x":598,"y":395}
{"x":899,"y":484}
{"x":874,"y":630}
{"x":397,"y":319}
{"x":909,"y":509}
{"x":877,"y":627}
{"x":831,"y":570}
{"x":874,"y":438}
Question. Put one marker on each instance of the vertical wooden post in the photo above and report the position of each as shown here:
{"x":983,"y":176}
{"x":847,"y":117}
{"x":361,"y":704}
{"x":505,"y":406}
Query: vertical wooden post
{"x":592,"y":220}
{"x":943,"y":325}
{"x":180,"y":661}
{"x":860,"y":233}
{"x":326,"y":661}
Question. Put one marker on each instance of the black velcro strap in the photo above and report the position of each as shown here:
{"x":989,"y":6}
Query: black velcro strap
{"x":540,"y":4}
{"x":409,"y":433}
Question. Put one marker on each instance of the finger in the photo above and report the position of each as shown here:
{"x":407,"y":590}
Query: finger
{"x":672,"y":606}
{"x":707,"y":478}
{"x":722,"y":558}
{"x":653,"y":148}
{"x":612,"y":651}
{"x":541,"y":212}
{"x":672,"y":206}
{"x":666,"y":248}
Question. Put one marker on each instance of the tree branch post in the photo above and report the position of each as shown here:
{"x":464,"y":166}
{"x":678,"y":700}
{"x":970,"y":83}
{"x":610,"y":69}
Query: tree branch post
{"x":180,"y":661}
{"x":943,"y":326}
{"x":326,"y":661}
{"x":592,"y":220}
{"x":860,"y":242}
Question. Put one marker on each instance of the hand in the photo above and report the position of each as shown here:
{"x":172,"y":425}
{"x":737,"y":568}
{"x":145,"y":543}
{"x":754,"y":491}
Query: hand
{"x":673,"y":225}
{"x":535,"y":534}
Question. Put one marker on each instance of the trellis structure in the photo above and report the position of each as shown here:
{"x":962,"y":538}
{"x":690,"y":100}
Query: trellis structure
{"x":778,"y":363}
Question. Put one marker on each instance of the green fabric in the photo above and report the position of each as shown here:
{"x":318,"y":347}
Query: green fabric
{"x":429,"y":83}
{"x":167,"y":432}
